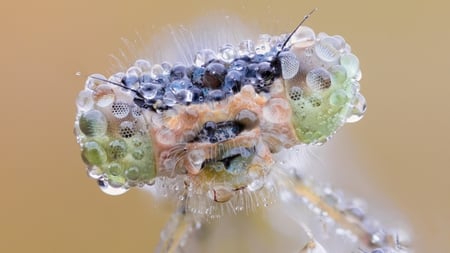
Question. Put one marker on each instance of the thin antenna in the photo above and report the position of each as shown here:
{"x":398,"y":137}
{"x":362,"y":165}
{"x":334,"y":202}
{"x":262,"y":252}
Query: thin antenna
{"x":117,"y":84}
{"x":298,"y":26}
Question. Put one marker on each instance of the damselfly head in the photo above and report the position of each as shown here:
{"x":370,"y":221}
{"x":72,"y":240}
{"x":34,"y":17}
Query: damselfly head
{"x":212,"y":126}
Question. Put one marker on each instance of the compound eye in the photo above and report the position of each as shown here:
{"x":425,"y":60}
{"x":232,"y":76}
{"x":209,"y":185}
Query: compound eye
{"x":114,"y":138}
{"x":321,"y":78}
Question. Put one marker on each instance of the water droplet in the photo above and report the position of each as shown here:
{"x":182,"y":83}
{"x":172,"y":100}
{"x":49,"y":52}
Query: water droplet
{"x":131,"y":78}
{"x":93,"y":123}
{"x":143,"y":65}
{"x":263,"y":44}
{"x":289,"y":64}
{"x":127,"y":129}
{"x":233,"y":81}
{"x":338,"y":98}
{"x":226,"y":53}
{"x":338,"y":74}
{"x":295,"y":93}
{"x":178,"y":72}
{"x":378,"y":237}
{"x":110,"y":190}
{"x":196,"y":159}
{"x":120,"y":109}
{"x":138,"y":154}
{"x":78,"y":73}
{"x":93,"y":153}
{"x":156,"y":71}
{"x":238,"y":165}
{"x":326,"y":49}
{"x":169,"y":98}
{"x":220,"y":193}
{"x":247,"y":118}
{"x":94,"y":80}
{"x":166,"y":68}
{"x":303,"y":37}
{"x":358,"y":110}
{"x":246,"y":48}
{"x":94,"y":172}
{"x":104,"y":95}
{"x":318,"y":79}
{"x":203,"y":57}
{"x":117,"y":149}
{"x":114,"y":169}
{"x":351,"y":64}
{"x":149,"y":90}
{"x":132,"y":173}
{"x":85,"y":100}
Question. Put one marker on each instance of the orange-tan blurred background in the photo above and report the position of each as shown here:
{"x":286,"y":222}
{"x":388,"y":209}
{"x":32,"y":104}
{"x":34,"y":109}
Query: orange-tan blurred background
{"x":48,"y":204}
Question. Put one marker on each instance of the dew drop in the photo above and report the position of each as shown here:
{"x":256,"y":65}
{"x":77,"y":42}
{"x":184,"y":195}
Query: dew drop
{"x":132,"y":173}
{"x":85,"y":100}
{"x":338,"y":74}
{"x":246,"y":48}
{"x":289,"y":65}
{"x":350,"y":63}
{"x":295,"y":93}
{"x":338,"y":98}
{"x":131,"y":78}
{"x":94,"y":172}
{"x":93,"y":153}
{"x":93,"y":123}
{"x":303,"y":37}
{"x":127,"y":129}
{"x":156,"y":71}
{"x":117,"y":149}
{"x":94,"y":80}
{"x":138,"y":154}
{"x":318,"y":79}
{"x":166,"y":68}
{"x":358,"y":110}
{"x":143,"y":65}
{"x":110,"y":190}
{"x":114,"y":169}
{"x":263,"y":44}
{"x":326,"y":49}
{"x":247,"y":118}
{"x":196,"y":159}
{"x":220,"y":193}
{"x":120,"y":109}
{"x":203,"y":57}
{"x":226,"y":53}
{"x":104,"y":95}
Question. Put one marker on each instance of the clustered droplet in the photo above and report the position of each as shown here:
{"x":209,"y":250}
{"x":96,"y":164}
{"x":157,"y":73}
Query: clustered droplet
{"x":114,"y":137}
{"x":211,"y":77}
{"x":321,"y":77}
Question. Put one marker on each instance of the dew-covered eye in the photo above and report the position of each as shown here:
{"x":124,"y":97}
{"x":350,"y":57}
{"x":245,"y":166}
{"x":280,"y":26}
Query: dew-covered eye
{"x":113,"y":136}
{"x":321,"y":79}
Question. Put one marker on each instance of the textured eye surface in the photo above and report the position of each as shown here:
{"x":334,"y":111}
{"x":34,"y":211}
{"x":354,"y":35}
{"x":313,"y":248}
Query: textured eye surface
{"x":114,"y":138}
{"x":324,"y":92}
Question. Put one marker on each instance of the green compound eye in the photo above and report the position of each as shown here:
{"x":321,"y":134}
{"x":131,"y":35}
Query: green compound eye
{"x":116,"y":145}
{"x":323,"y":90}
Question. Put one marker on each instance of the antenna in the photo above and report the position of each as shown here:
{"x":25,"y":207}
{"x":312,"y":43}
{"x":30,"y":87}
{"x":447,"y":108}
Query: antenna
{"x":298,"y":26}
{"x":118,"y":84}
